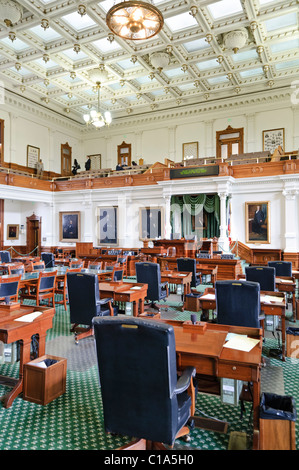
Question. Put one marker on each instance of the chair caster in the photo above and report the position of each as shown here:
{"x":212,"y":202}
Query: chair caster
{"x":187,"y":438}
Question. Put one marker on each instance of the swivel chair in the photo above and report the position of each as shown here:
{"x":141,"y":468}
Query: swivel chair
{"x":264,"y":275}
{"x":140,"y":392}
{"x":48,"y":259}
{"x":282,"y":268}
{"x":189,"y":265}
{"x":5,"y":257}
{"x":85,"y":303}
{"x":238,"y":303}
{"x":150,"y":274}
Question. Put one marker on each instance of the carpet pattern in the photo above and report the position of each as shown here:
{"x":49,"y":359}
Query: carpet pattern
{"x":74,"y":421}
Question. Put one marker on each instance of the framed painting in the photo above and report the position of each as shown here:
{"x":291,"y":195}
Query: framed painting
{"x":107,"y":221}
{"x":12,"y":232}
{"x":190,"y":150}
{"x":272,"y":139}
{"x":69,"y":226}
{"x":151,"y":223}
{"x":257,"y":217}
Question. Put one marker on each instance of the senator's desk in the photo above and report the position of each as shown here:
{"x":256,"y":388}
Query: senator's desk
{"x":272,"y":303}
{"x":204,"y":350}
{"x":179,"y":278}
{"x":12,"y":331}
{"x":207,"y":270}
{"x":132,"y":292}
{"x":227,"y":268}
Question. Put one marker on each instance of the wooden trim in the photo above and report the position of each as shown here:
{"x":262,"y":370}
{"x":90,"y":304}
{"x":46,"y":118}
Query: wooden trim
{"x":1,"y":141}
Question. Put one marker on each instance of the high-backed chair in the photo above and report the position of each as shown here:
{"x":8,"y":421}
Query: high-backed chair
{"x":264,"y":275}
{"x":74,"y":264}
{"x":38,"y":266}
{"x":94,"y":265}
{"x":5,"y":257}
{"x":282,"y":268}
{"x":117,"y":273}
{"x":85,"y":302}
{"x":189,"y":265}
{"x":43,"y":290}
{"x":141,"y":394}
{"x":150,"y":274}
{"x":48,"y":259}
{"x":122,"y":261}
{"x":16,"y":269}
{"x":9,"y":288}
{"x":61,"y":287}
{"x":238,"y":303}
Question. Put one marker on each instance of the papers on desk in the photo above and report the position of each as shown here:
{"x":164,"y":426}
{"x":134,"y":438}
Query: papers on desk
{"x":182,"y":275}
{"x":136,"y":288}
{"x":268,"y":299}
{"x":208,"y":297}
{"x":29,"y":317}
{"x":240,"y":342}
{"x":285,"y":281}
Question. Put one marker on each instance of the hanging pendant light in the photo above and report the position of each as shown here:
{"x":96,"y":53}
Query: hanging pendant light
{"x":135,"y":20}
{"x":95,"y":117}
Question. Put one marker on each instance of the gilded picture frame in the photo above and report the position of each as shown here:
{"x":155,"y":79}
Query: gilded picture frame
{"x":272,"y":139}
{"x":13,"y":231}
{"x":151,"y":223}
{"x":107,"y":225}
{"x":69,"y":226}
{"x":257,"y":220}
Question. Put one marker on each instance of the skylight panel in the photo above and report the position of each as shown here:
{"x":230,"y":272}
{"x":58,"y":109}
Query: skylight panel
{"x":245,"y":55}
{"x":22,"y":71}
{"x":287,"y":65}
{"x":46,"y":35}
{"x":144,"y":80}
{"x":17,"y":44}
{"x":196,"y":45}
{"x":174,"y":72}
{"x":208,"y":64}
{"x":78,"y":22}
{"x":216,"y":80}
{"x":106,"y":5}
{"x":225,"y":8}
{"x":127,"y":64}
{"x":251,"y":72}
{"x":179,"y":22}
{"x":285,"y":45}
{"x":106,"y":46}
{"x":73,"y":55}
{"x":186,"y":86}
{"x":47,"y":65}
{"x":280,"y":22}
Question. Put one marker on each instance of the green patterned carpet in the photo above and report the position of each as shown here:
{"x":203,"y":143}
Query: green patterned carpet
{"x":74,"y":421}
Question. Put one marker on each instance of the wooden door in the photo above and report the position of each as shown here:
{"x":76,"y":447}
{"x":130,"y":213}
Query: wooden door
{"x":229,"y":142}
{"x":66,"y":159}
{"x":33,"y":240}
{"x":124,"y":154}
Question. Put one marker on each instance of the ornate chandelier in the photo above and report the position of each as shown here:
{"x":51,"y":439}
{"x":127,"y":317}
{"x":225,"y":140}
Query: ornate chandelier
{"x":134,"y":20}
{"x":95,"y":117}
{"x":235,"y":40}
{"x":10,"y":12}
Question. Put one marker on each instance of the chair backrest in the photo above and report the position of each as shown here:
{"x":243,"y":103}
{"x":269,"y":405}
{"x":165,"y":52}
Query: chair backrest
{"x":117,"y":274}
{"x":137,"y":369}
{"x":150,"y":274}
{"x":282,"y":268}
{"x":264,"y":275}
{"x":76,"y":264}
{"x":83,"y":294}
{"x":5,"y":257}
{"x":95,"y":266}
{"x":48,"y":259}
{"x":38,"y":265}
{"x":9,"y":287}
{"x":227,"y":256}
{"x":188,"y":265}
{"x":238,"y":303}
{"x":16,"y":269}
{"x":46,"y":281}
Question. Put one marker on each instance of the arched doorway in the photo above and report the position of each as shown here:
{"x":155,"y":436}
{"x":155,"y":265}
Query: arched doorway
{"x":33,"y":239}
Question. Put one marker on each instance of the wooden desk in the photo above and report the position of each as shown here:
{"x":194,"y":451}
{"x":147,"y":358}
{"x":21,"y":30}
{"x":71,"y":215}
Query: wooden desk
{"x":227,"y":268}
{"x":11,"y":331}
{"x":287,"y":285}
{"x":132,"y":292}
{"x":207,"y":270}
{"x":180,"y":278}
{"x":205,"y":352}
{"x":277,"y":308}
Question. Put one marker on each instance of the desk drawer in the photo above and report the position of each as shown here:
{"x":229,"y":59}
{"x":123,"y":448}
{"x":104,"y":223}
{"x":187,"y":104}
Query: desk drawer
{"x":235,"y":371}
{"x":122,"y":298}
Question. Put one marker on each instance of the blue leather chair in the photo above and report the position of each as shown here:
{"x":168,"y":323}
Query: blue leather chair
{"x":85,"y":302}
{"x":9,"y":289}
{"x":238,"y":303}
{"x":189,"y":265}
{"x":264,"y":275}
{"x":282,"y":268}
{"x":141,"y":394}
{"x":5,"y":257}
{"x":150,"y":274}
{"x":48,"y":259}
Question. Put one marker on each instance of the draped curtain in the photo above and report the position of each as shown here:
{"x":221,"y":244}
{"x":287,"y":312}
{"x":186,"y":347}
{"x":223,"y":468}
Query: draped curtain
{"x":184,"y":207}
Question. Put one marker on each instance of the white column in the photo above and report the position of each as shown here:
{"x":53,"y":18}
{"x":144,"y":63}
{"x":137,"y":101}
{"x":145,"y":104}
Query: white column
{"x":13,"y":157}
{"x":295,"y":125}
{"x":88,"y":220}
{"x":171,"y":143}
{"x":250,"y":143}
{"x":167,"y":226}
{"x":291,"y":220}
{"x":210,"y":140}
{"x":223,"y":239}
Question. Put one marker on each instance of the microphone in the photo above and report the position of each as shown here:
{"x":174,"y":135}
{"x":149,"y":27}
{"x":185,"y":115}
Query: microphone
{"x":193,"y":318}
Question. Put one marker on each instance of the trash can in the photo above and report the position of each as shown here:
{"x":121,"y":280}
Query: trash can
{"x":277,"y":422}
{"x":192,"y":302}
{"x":292,"y":336}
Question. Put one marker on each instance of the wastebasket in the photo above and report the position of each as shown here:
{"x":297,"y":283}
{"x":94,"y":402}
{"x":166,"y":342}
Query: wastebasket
{"x":277,"y":422}
{"x":192,"y":302}
{"x":292,"y":336}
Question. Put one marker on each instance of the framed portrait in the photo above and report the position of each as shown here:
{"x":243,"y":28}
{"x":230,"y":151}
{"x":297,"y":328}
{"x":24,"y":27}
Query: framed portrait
{"x":151,"y":223}
{"x":272,"y":139}
{"x":257,"y":217}
{"x":107,"y":221}
{"x":69,"y":226}
{"x":33,"y":156}
{"x":12,"y":232}
{"x":190,"y":150}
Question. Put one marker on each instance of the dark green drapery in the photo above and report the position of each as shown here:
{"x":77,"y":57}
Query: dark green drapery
{"x":208,"y":204}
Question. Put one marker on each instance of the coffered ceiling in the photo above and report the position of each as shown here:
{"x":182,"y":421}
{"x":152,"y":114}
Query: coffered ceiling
{"x":50,"y":64}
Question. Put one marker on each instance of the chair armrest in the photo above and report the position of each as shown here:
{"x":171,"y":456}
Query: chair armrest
{"x":164,"y":284}
{"x":184,"y":380}
{"x":104,"y":301}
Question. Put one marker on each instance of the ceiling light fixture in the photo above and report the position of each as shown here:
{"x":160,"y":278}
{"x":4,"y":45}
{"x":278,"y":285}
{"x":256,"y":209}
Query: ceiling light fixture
{"x":134,"y":20}
{"x":235,"y":40}
{"x":95,"y":117}
{"x":10,"y":12}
